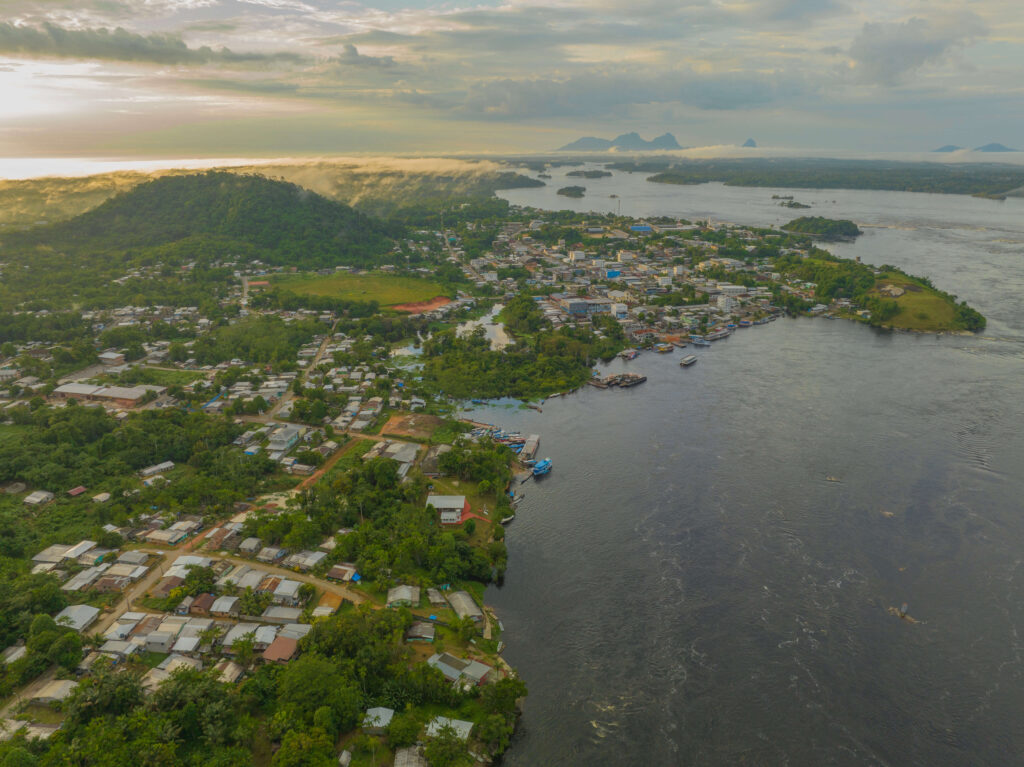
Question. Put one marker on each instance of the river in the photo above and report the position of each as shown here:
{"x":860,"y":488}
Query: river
{"x":705,"y":576}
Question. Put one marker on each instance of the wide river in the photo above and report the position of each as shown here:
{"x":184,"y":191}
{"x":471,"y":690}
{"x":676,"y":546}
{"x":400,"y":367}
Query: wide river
{"x":705,"y":577}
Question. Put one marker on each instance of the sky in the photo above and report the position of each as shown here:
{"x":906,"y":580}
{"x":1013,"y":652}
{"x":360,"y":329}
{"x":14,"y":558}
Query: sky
{"x":250,"y":78}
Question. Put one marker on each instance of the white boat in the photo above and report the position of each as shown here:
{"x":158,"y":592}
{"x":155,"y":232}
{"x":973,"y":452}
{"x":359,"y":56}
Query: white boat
{"x":688,"y":360}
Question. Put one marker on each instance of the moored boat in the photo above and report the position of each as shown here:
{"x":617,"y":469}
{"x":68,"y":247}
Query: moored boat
{"x":688,"y":360}
{"x":542,"y":467}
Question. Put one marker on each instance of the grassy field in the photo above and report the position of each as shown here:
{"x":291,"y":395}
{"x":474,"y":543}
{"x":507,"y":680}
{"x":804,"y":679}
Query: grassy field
{"x":921,"y":308}
{"x":385,"y":289}
{"x":12,"y":433}
{"x":157,"y":377}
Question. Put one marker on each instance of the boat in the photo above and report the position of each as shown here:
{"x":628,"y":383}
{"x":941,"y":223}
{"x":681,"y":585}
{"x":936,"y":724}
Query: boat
{"x":631,"y":379}
{"x":698,"y":341}
{"x":679,"y":344}
{"x":685,"y":362}
{"x":717,"y":335}
{"x":629,"y":354}
{"x":542,"y":467}
{"x":663,"y":348}
{"x":745,"y":323}
{"x":509,"y":518}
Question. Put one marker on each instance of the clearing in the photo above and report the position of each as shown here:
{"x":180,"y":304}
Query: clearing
{"x":385,"y":289}
{"x":416,"y":425}
{"x":921,"y":308}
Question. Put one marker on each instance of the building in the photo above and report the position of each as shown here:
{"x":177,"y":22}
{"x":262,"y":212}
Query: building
{"x":403,"y":596}
{"x":450,"y":507}
{"x":409,"y":757}
{"x":78,"y":617}
{"x":464,"y":606}
{"x":377,"y":720}
{"x":111,"y":358}
{"x":281,"y":650}
{"x":460,"y":669}
{"x":438,"y":723}
{"x":224,"y":607}
{"x":420,"y":631}
{"x":38,"y":497}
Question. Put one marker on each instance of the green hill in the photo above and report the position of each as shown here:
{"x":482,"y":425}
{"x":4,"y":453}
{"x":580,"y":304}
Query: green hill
{"x":161,"y":241}
{"x":277,"y":222}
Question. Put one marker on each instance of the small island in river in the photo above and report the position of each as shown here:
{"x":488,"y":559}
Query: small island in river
{"x":824,"y":228}
{"x":590,"y":173}
{"x":572,"y":191}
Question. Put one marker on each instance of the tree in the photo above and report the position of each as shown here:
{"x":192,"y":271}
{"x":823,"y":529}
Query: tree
{"x":446,"y":750}
{"x":305,"y":748}
{"x":496,"y":732}
{"x":404,"y":730}
{"x":66,"y":651}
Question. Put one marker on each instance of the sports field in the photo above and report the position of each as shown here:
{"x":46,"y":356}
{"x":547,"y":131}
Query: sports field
{"x":385,"y":289}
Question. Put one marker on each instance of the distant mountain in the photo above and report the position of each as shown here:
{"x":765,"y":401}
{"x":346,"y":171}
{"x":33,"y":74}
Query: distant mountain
{"x":225,"y":213}
{"x":994,"y":148}
{"x":627,"y":142}
{"x":750,"y":143}
{"x":948,"y":148}
{"x":587,"y":144}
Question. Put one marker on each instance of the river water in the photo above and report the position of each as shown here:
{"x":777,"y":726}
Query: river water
{"x":705,"y":576}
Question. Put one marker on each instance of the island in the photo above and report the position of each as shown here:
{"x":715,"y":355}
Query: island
{"x":590,"y":173}
{"x":823,"y":228}
{"x":572,"y":191}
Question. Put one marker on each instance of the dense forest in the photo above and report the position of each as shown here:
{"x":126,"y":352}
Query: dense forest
{"x":938,"y":178}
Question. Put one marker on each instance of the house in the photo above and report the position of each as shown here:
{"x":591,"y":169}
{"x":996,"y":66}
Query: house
{"x":438,"y":723}
{"x":431,"y":464}
{"x":250,"y":546}
{"x":450,"y":507}
{"x":78,"y":617}
{"x":465,"y":606}
{"x":377,"y":720}
{"x":460,"y":669}
{"x":278,"y":614}
{"x":287,"y":593}
{"x":55,"y":691}
{"x":225,"y":607}
{"x":38,"y":497}
{"x":160,"y":642}
{"x":403,"y":596}
{"x":228,"y":671}
{"x":343,"y":571}
{"x":409,"y":757}
{"x":111,"y":358}
{"x":281,"y":650}
{"x":202,"y":604}
{"x":420,"y":631}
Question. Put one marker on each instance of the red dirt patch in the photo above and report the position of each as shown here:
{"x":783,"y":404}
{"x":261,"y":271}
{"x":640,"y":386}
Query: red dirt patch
{"x":418,"y":307}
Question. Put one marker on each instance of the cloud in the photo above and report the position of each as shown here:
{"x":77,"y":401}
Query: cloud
{"x":350,"y":56}
{"x":603,"y":95}
{"x":53,"y":41}
{"x":887,"y":53}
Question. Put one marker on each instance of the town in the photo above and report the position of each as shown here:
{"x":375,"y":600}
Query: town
{"x":244,"y":480}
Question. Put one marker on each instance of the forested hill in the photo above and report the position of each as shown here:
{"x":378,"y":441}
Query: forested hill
{"x":196,"y":215}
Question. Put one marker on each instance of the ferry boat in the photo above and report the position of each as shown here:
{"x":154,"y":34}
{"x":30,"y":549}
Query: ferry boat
{"x":698,"y":341}
{"x":717,"y":335}
{"x":663,"y":348}
{"x":688,"y":360}
{"x":542,"y":467}
{"x":629,"y":354}
{"x":745,"y":323}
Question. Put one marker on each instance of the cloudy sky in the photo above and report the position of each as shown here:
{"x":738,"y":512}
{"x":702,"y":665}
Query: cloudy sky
{"x":284,"y":77}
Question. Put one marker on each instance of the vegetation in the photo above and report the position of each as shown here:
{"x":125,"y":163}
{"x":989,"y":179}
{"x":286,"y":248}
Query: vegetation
{"x":259,"y":339}
{"x":383,"y":289}
{"x":589,"y":173}
{"x":824,"y":228}
{"x":936,"y":178}
{"x":572,"y":191}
